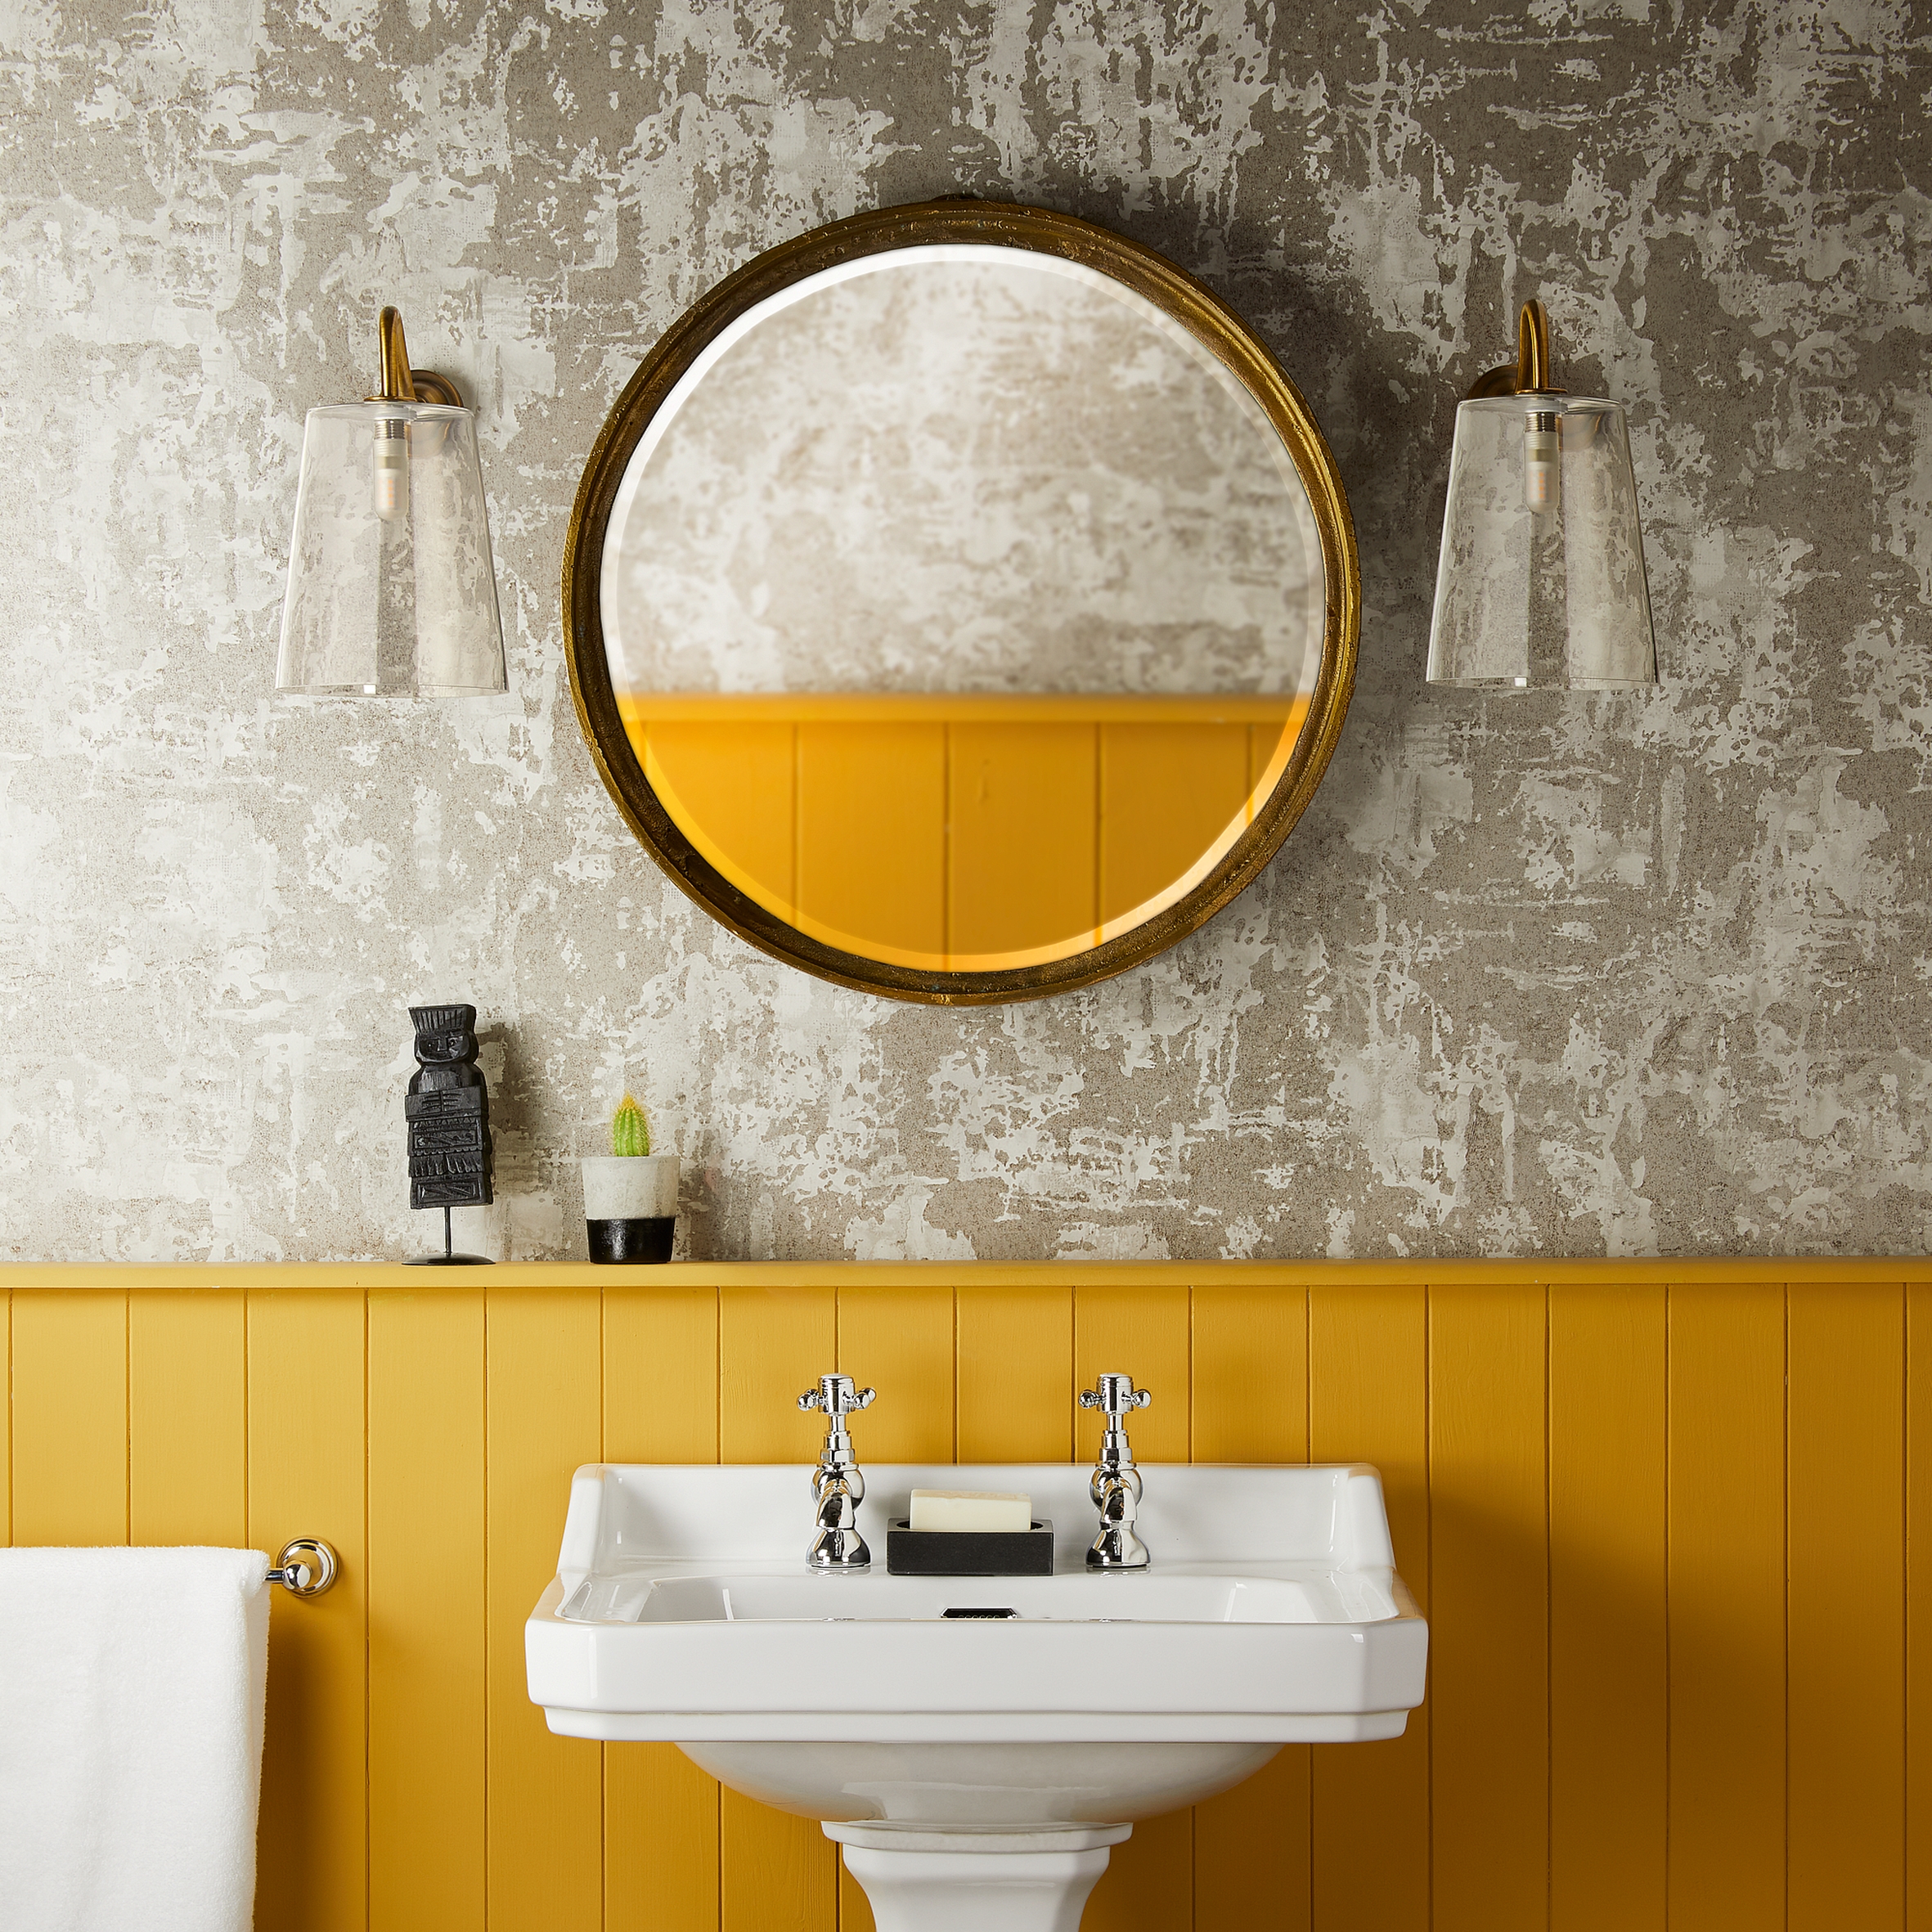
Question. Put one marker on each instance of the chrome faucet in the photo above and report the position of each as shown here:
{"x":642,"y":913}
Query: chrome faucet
{"x":1116,"y":1483}
{"x":838,"y":1488}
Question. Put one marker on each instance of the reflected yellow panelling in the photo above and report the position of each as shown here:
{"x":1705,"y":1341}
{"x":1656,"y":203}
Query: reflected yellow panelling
{"x":970,"y":832}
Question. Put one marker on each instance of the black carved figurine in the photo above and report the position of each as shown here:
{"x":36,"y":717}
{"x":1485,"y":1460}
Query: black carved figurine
{"x":448,"y":1111}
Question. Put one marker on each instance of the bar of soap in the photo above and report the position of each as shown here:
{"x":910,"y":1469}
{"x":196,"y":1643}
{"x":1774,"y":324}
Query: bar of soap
{"x":970,"y":1509}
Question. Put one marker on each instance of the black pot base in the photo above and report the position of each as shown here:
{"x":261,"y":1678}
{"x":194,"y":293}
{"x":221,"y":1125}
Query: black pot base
{"x":647,"y":1239}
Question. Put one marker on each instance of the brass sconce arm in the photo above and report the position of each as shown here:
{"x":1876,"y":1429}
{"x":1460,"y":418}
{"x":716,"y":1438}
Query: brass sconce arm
{"x":1529,"y":373}
{"x":400,"y":382}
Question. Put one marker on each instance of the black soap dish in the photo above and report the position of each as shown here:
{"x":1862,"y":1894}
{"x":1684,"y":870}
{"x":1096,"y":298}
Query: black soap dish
{"x":968,"y":1552}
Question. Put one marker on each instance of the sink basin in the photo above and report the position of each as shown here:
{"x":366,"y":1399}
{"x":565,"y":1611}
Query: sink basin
{"x":1023,"y":1745}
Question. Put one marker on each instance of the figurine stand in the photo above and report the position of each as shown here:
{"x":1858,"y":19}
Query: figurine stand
{"x":448,"y":1258}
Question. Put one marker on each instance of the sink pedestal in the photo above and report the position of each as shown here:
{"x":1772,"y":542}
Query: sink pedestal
{"x":983,"y":1879}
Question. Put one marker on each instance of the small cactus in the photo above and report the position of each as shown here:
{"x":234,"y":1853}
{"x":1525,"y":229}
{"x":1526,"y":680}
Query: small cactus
{"x":630,"y":1134}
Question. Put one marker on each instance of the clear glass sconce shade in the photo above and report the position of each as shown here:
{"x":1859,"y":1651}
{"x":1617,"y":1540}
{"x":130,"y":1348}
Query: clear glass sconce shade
{"x":1541,"y":583}
{"x":392,"y":588}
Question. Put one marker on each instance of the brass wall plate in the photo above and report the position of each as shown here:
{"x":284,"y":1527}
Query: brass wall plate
{"x":1183,"y":299}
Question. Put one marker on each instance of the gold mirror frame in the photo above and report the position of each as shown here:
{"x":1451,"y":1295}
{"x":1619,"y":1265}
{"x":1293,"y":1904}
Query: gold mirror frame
{"x":1185,"y":301}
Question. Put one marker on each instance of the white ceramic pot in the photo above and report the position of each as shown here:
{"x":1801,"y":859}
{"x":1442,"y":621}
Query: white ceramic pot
{"x":630,"y":1187}
{"x":630,"y":1205}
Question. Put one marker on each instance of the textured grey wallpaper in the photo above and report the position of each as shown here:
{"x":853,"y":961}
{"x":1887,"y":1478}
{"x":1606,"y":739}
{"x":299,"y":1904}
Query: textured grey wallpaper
{"x":1536,"y":974}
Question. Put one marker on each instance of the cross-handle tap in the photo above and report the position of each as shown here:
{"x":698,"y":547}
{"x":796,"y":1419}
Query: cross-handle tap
{"x":838,"y":1488}
{"x":1116,"y":1483}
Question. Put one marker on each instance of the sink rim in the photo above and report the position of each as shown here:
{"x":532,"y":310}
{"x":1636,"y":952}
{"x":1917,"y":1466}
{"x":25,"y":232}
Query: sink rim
{"x":1040,"y":1679}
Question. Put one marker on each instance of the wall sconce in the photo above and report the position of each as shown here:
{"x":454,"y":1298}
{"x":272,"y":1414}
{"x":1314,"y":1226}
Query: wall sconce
{"x":392,"y":590}
{"x":1541,"y":584}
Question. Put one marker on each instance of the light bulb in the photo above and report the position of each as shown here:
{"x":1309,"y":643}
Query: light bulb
{"x":1543,"y":472}
{"x":391,"y":469}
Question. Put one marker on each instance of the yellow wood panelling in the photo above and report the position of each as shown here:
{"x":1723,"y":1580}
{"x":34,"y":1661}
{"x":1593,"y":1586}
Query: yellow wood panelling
{"x":307,"y":1466}
{"x":1726,"y":1511}
{"x":778,"y":1873}
{"x":773,"y":1346}
{"x":1845,"y":1668}
{"x":660,"y":1811}
{"x":1918,"y":1606}
{"x":1021,"y":877}
{"x":69,"y":1416}
{"x":966,"y":831}
{"x":187,"y":1417}
{"x":1682,"y":1632}
{"x":733,"y":789}
{"x":1368,"y":1402}
{"x":1146,"y":1331}
{"x":428,"y":1676}
{"x":882,"y":794}
{"x":541,"y":1420}
{"x":1488,"y":1608}
{"x":899,"y":1342}
{"x":1608,"y":1610}
{"x":1172,"y":799}
{"x":1015,"y":1372}
{"x":1254,"y":1846}
{"x":6,"y":1419}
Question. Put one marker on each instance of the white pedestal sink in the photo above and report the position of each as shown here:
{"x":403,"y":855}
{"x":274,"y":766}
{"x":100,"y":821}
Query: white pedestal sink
{"x":976,"y":1770}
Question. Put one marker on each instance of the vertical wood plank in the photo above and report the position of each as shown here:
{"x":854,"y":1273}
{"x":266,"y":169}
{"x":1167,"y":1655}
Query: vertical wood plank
{"x":1250,"y":1374}
{"x":1170,"y":793}
{"x":1918,"y":1603}
{"x":773,"y":1344}
{"x":1253,"y":1858}
{"x":872,"y":837}
{"x":1149,"y":1880}
{"x":187,"y":1417}
{"x":1368,"y":1402}
{"x":1489,"y":1566}
{"x":661,"y":1375}
{"x":542,"y":1407}
{"x":7,"y":1421}
{"x":1015,"y":1374}
{"x":900,"y":1341}
{"x":1846,"y":1631}
{"x":307,"y":1423}
{"x":427,"y":1667}
{"x":1726,"y":1604}
{"x":854,"y":1908}
{"x":660,"y":1811}
{"x":732,"y":788}
{"x":1022,"y":868}
{"x":778,"y":1873}
{"x":1124,"y":1327}
{"x":1609,"y":1666}
{"x":69,"y":1416}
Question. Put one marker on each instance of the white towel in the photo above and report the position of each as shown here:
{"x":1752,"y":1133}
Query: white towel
{"x":132,"y":1684}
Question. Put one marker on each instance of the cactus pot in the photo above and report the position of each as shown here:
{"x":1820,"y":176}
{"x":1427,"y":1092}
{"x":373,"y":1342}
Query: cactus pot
{"x":630,"y":1205}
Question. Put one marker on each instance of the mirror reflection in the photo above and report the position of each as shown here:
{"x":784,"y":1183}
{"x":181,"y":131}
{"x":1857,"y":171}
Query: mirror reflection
{"x":961,"y":607}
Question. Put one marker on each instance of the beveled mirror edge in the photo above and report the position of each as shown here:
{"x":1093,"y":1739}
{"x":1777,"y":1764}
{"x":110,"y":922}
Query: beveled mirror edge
{"x":1178,"y":295}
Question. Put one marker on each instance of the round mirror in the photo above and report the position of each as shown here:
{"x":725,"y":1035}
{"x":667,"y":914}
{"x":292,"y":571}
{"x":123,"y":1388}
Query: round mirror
{"x":962,"y":603}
